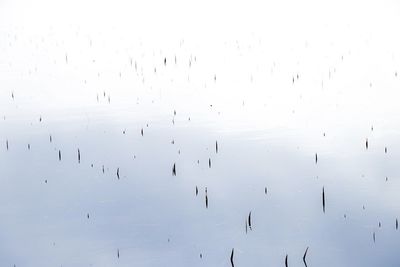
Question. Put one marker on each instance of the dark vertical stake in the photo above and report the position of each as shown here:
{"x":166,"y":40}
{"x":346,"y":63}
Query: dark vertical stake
{"x":249,"y":220}
{"x":323,"y":199}
{"x":174,"y":170}
{"x":206,"y":199}
{"x":233,"y":265}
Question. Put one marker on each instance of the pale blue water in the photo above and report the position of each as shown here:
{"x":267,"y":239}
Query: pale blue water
{"x":156,"y":219}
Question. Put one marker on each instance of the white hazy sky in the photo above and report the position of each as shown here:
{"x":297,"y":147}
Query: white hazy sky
{"x":345,"y":52}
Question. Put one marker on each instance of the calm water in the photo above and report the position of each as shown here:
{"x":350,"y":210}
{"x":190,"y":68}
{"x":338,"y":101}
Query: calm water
{"x":271,"y":103}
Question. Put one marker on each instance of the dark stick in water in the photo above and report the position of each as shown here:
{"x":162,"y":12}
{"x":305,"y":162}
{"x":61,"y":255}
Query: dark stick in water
{"x":304,"y":257}
{"x":233,"y":265}
{"x":174,"y":170}
{"x":206,"y":199}
{"x":323,"y":199}
{"x":249,"y":220}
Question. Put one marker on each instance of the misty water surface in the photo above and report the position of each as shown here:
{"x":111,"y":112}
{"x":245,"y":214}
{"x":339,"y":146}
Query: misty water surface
{"x":259,"y":116}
